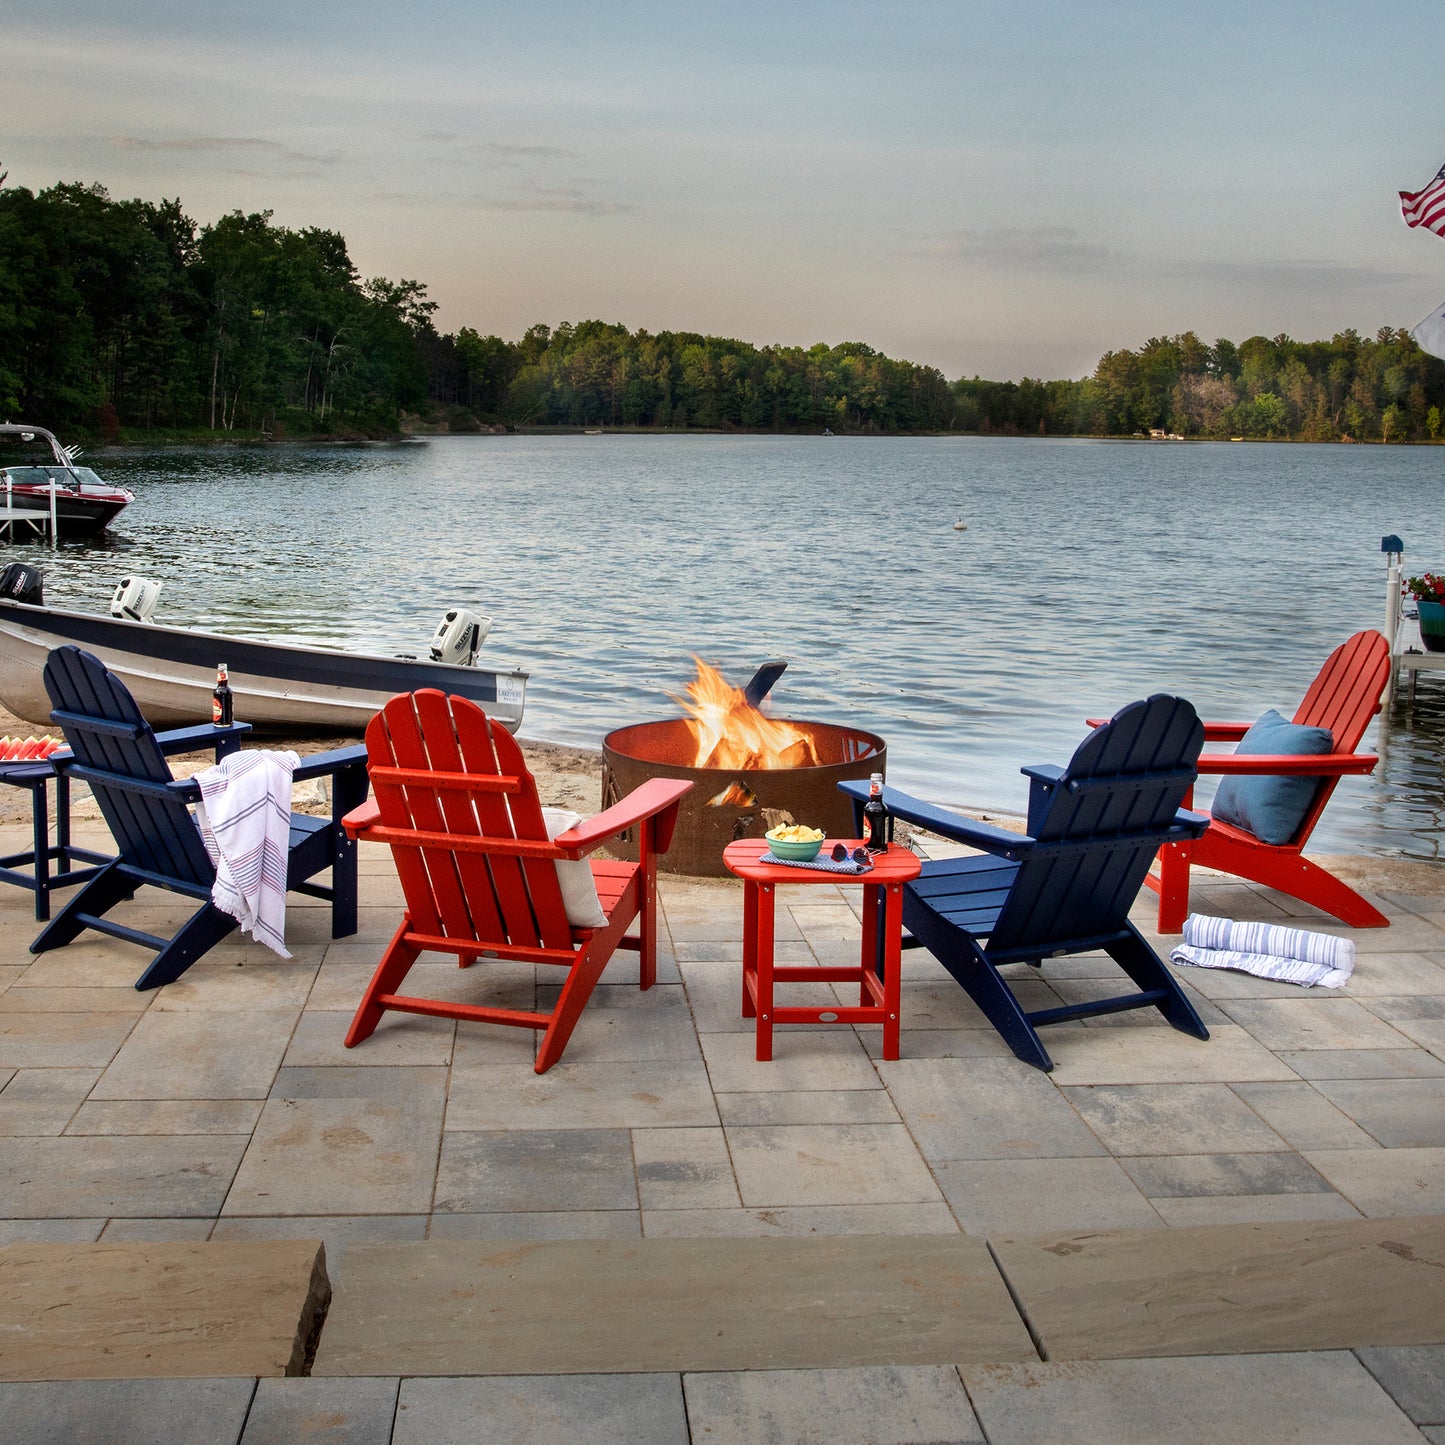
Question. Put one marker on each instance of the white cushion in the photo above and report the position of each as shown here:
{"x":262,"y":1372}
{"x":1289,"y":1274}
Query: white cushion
{"x":579,"y":887}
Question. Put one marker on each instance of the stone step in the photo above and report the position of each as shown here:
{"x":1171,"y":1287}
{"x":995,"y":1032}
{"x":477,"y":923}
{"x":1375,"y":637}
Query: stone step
{"x":1231,"y":1289}
{"x":142,"y":1309}
{"x":483,"y":1307}
{"x":491,"y":1307}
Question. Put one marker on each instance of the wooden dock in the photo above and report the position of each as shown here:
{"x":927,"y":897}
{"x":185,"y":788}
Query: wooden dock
{"x":1407,"y":653}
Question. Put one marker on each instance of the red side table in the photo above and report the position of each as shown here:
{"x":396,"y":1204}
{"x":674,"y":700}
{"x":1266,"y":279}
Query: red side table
{"x":877,"y":997}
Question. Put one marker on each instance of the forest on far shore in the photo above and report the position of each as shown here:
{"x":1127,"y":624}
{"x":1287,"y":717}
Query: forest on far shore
{"x":127,"y":319}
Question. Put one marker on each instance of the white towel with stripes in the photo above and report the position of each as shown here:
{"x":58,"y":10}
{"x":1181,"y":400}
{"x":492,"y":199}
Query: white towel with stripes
{"x":1290,"y":955}
{"x":245,"y":820}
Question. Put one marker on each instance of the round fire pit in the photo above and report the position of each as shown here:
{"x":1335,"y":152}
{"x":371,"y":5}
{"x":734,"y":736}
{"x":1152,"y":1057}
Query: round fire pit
{"x":729,"y":803}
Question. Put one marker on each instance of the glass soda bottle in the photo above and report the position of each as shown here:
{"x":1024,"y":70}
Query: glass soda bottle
{"x":875,"y":817}
{"x":221,"y":699}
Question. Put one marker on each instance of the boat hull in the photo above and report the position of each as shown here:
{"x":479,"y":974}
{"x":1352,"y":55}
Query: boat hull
{"x":74,"y":515}
{"x":278,"y":687}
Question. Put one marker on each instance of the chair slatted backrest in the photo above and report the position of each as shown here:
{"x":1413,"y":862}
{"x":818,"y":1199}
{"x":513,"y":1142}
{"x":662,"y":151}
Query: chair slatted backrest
{"x":1098,"y":824}
{"x":1347,"y":692}
{"x":441,"y":770}
{"x":115,"y":748}
{"x":1343,"y":698}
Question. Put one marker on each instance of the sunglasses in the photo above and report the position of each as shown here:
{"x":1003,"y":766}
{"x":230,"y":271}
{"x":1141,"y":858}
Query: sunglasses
{"x":841,"y":855}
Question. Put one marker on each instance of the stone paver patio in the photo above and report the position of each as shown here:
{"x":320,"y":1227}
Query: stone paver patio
{"x":224,"y":1107}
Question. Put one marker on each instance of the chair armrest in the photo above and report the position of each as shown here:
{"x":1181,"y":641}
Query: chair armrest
{"x":203,"y":735}
{"x":361,"y":819}
{"x":347,"y":766}
{"x":1225,"y":732}
{"x":1188,"y":824}
{"x":645,"y":801}
{"x":317,"y":765}
{"x":1295,"y":765}
{"x":944,"y":822}
{"x":1214,"y":732}
{"x":177,"y":740}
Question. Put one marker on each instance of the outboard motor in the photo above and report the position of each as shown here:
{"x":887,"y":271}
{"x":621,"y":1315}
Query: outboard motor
{"x":135,"y":599}
{"x":458,"y":636}
{"x":20,"y":582}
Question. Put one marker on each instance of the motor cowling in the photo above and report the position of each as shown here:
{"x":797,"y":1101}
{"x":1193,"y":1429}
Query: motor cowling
{"x":458,"y":637}
{"x":20,"y":582}
{"x":135,"y":599}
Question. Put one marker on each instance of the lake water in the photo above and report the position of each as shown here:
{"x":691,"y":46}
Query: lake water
{"x":1090,"y":573}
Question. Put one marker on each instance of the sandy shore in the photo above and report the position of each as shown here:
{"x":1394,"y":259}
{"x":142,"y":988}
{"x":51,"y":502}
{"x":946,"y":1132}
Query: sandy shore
{"x":570,"y":777}
{"x":566,"y":777}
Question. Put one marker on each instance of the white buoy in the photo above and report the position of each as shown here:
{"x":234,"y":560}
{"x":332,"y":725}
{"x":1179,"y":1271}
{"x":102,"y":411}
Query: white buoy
{"x":960,"y":525}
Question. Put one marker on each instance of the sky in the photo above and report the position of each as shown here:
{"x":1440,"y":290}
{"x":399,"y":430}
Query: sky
{"x":995,"y":189}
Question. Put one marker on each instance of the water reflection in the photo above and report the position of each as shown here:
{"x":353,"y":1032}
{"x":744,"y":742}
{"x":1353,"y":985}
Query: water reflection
{"x":1090,"y":574}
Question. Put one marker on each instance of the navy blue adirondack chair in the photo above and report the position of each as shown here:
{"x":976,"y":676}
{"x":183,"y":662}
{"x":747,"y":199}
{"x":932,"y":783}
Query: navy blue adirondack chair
{"x":1066,"y":886}
{"x":115,"y":751}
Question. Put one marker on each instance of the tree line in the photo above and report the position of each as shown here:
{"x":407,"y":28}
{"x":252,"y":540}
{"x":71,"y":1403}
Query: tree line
{"x":1350,"y":388}
{"x":128,"y":316}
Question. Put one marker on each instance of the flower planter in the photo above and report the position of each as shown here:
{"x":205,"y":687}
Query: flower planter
{"x":1432,"y":626}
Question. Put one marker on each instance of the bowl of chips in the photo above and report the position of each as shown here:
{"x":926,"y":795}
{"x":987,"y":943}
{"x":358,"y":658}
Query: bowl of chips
{"x":795,"y":842}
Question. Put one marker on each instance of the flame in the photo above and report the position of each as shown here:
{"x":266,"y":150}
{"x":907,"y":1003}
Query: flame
{"x":733,"y":796}
{"x":732,"y":733}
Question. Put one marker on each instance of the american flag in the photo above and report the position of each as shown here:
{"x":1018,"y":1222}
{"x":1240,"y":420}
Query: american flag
{"x":1426,"y":208}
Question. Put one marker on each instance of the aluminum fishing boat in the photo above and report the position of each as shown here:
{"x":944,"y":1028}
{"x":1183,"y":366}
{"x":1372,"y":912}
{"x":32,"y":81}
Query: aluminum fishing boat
{"x":279,"y":687}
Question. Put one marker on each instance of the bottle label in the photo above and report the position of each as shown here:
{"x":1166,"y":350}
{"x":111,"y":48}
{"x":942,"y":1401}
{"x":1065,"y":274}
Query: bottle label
{"x":216,"y":711}
{"x":867,"y":830}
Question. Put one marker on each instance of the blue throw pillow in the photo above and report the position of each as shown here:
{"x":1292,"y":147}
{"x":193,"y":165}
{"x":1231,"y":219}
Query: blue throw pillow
{"x":1272,"y":808}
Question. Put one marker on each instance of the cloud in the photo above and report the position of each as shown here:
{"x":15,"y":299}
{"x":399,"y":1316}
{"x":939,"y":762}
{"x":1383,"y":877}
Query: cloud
{"x":1287,"y":274}
{"x":1019,"y":248}
{"x":221,"y":143}
{"x":571,"y":202}
{"x":518,"y":152}
{"x":494,"y":155}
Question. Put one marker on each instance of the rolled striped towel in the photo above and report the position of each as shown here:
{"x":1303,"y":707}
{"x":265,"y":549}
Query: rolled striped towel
{"x":1267,"y":950}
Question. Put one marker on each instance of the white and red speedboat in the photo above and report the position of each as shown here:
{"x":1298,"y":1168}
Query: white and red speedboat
{"x":42,"y":490}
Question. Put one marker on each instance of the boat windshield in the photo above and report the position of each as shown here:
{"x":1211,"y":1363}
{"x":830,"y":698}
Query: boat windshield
{"x":42,"y":476}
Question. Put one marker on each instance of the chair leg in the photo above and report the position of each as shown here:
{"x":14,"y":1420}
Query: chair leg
{"x":982,"y":982}
{"x":1150,"y":972}
{"x":343,"y":888}
{"x":1172,"y":886}
{"x":647,"y":906}
{"x":94,"y":900}
{"x":581,"y":980}
{"x":395,"y":964}
{"x":198,"y":935}
{"x":1314,"y":885}
{"x":1299,"y":878}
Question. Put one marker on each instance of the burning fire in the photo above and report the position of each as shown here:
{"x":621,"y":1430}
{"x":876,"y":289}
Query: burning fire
{"x":732,"y":733}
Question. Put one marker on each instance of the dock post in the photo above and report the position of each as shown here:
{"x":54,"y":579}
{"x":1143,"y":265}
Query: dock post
{"x":1394,"y":550}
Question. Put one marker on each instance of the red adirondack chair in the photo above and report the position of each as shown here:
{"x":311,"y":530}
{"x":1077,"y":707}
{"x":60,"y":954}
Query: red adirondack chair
{"x":1343,"y":698}
{"x":453,"y":798}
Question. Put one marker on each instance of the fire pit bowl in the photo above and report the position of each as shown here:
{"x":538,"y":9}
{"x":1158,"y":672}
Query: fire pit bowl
{"x":729,"y":803}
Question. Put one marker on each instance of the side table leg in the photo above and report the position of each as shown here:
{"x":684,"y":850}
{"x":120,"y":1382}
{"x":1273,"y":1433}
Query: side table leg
{"x":892,"y":968}
{"x":763,"y":946}
{"x":750,"y":946}
{"x":872,"y":959}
